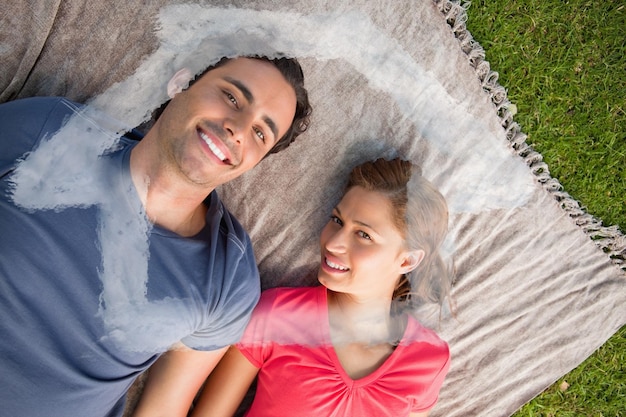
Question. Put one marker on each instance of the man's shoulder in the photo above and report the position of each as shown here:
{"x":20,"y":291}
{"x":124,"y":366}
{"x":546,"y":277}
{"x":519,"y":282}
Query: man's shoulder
{"x":35,"y":105}
{"x":229,"y":225}
{"x":25,"y":122}
{"x":35,"y":116}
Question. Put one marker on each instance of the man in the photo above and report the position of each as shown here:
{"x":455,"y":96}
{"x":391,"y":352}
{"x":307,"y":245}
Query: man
{"x":75,"y":330}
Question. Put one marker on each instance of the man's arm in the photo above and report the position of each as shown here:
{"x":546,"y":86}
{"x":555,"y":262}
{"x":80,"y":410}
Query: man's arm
{"x":174,"y":380}
{"x":226,"y":386}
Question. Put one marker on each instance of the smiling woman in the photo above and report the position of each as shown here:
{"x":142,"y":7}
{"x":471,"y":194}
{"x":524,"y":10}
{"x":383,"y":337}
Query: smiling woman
{"x":349,"y":347}
{"x":363,"y":253}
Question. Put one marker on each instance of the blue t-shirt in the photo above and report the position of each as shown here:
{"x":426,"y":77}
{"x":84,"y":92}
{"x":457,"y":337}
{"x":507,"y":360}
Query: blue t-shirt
{"x":62,"y":350}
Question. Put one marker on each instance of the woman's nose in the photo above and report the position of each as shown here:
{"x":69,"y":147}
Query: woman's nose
{"x":336,"y":241}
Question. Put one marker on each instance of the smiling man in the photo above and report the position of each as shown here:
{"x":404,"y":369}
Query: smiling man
{"x":211,"y":133}
{"x":82,"y":330}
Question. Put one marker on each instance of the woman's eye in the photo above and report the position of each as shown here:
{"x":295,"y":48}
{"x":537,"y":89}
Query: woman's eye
{"x":336,"y":219}
{"x":364,"y":235}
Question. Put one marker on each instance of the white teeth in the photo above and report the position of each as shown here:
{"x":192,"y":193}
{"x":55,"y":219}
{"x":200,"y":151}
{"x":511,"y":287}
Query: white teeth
{"x":336,"y":266}
{"x":212,"y":147}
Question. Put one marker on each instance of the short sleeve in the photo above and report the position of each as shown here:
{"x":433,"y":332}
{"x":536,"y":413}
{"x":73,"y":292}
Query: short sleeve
{"x":23,"y":124}
{"x":429,"y":372}
{"x":229,"y":321}
{"x":254,"y":344}
{"x":431,"y":392}
{"x":238,"y":294}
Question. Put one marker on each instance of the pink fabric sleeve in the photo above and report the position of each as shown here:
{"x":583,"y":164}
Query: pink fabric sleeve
{"x":432,"y":389}
{"x":254,"y":344}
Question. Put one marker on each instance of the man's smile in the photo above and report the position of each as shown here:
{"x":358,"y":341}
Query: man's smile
{"x":214,"y":147}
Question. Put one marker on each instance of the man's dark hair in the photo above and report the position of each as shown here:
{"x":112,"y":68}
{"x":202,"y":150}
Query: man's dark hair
{"x":292,"y":72}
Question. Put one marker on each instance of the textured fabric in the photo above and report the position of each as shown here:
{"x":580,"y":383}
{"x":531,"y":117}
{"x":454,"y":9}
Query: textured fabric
{"x":57,"y":354}
{"x":288,"y":338}
{"x":385,"y":77}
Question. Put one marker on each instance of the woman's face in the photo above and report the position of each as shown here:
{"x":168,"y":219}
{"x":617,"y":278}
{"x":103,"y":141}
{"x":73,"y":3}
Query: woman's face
{"x":362,"y":252}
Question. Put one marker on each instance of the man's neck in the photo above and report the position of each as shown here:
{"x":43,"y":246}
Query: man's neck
{"x":180,"y":215}
{"x":169,"y":203}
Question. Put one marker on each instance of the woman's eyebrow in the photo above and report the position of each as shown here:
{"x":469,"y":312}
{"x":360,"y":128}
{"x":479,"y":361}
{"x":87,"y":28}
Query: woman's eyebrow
{"x":358,"y":222}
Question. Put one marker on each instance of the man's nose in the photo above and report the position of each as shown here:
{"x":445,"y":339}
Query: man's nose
{"x":237,"y":126}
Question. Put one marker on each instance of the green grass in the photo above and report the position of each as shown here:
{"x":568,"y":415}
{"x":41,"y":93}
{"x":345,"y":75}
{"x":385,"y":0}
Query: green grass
{"x":563,"y":64}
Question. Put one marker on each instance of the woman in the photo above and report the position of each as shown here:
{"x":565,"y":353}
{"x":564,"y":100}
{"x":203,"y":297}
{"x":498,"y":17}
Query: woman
{"x":351,"y":347}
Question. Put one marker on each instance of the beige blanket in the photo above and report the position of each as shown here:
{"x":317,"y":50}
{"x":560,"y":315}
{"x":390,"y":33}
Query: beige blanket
{"x":534,"y":294}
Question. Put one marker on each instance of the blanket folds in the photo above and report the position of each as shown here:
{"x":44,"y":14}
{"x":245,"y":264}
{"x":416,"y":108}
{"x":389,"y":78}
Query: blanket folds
{"x":540,"y":283}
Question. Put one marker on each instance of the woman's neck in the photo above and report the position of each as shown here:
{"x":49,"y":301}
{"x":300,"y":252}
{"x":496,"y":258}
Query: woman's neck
{"x":367,"y":322}
{"x":363,"y":334}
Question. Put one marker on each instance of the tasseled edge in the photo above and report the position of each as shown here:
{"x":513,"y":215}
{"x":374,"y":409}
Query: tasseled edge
{"x":609,"y":239}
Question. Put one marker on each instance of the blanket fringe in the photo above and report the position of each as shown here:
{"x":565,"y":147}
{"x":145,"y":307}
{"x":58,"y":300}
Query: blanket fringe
{"x":608,"y":238}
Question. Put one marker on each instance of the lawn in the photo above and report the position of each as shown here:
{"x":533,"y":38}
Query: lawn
{"x":563,"y":64}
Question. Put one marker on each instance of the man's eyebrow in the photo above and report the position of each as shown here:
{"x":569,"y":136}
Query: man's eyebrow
{"x":241,"y":87}
{"x":270,"y":123}
{"x":250,"y":98}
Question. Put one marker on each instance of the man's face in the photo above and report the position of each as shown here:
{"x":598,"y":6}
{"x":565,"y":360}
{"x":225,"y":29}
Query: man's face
{"x":226,"y":122}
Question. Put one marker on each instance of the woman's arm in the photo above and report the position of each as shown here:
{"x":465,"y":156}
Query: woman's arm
{"x":226,"y":386}
{"x":425,"y":414}
{"x":174,"y":380}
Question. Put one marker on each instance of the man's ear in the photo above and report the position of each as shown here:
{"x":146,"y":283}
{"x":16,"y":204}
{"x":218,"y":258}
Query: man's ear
{"x":412,"y":260}
{"x":178,"y":82}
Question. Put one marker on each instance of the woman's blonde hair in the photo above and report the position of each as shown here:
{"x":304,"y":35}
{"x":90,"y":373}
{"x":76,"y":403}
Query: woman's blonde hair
{"x":420,"y":214}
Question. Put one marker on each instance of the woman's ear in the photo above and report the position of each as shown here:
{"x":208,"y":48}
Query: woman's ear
{"x":412,"y":260}
{"x":178,"y":82}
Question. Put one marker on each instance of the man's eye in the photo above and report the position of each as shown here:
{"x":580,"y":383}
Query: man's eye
{"x":231,"y":98}
{"x":364,"y":235}
{"x":260,"y":134}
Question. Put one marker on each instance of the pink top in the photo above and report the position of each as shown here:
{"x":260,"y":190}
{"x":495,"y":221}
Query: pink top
{"x":288,"y":338}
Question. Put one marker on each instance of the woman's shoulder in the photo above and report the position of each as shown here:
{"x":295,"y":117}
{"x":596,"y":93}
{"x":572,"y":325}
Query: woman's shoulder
{"x":423,"y":343}
{"x":289,"y":316}
{"x":416,"y":332}
{"x":290,"y":297}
